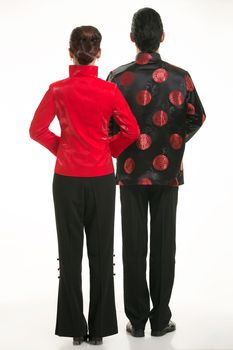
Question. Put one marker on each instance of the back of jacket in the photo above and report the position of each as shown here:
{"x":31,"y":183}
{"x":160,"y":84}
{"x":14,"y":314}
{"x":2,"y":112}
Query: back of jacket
{"x":169,"y":112}
{"x":83,"y":104}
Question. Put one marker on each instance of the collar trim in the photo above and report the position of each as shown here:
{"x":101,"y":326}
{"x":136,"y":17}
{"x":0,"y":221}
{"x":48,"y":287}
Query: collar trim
{"x":77,"y":70}
{"x":145,"y":57}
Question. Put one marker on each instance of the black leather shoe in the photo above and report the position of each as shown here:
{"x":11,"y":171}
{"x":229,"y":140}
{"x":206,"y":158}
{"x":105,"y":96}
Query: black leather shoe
{"x":169,"y":328}
{"x":95,"y":340}
{"x":78,"y":340}
{"x":138,"y":333}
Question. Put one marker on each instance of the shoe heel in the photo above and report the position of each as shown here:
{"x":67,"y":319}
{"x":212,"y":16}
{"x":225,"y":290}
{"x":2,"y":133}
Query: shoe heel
{"x":78,"y":340}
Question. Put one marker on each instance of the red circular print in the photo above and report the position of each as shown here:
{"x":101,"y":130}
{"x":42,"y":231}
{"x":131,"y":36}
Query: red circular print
{"x":189,"y":83}
{"x":143,"y":97}
{"x":143,"y":58}
{"x":127,"y":78}
{"x":203,"y":118}
{"x":160,"y":162}
{"x":160,"y":118}
{"x":176,"y":97}
{"x":129,"y":165}
{"x":144,"y":141}
{"x":160,"y":75}
{"x":190,"y":109}
{"x":176,"y":141}
{"x":144,"y":181}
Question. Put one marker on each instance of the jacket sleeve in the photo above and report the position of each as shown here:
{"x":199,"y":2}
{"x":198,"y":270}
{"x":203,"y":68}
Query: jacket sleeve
{"x":113,"y":127}
{"x":44,"y":115}
{"x":129,"y":129}
{"x":195,"y":114}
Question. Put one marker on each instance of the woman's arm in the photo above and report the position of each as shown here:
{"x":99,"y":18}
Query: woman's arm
{"x":44,"y":115}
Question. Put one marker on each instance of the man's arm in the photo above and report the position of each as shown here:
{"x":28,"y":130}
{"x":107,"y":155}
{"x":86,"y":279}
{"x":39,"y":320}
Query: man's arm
{"x":39,"y":129}
{"x":195,"y":116}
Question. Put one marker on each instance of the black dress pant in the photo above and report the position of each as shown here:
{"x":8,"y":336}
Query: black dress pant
{"x":162,"y":201}
{"x":85,"y":204}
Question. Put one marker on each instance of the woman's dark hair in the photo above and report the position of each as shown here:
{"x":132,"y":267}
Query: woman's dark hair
{"x":147,"y":28}
{"x":85,"y":43}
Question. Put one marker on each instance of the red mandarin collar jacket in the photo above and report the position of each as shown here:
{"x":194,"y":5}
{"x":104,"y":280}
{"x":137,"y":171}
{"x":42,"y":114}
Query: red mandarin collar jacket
{"x":84,"y":104}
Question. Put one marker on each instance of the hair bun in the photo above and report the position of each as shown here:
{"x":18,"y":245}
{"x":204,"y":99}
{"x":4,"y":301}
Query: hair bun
{"x":85,"y":43}
{"x":84,"y":57}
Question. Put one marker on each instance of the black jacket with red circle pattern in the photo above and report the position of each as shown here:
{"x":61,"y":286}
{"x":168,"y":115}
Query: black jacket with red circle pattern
{"x":169,"y":112}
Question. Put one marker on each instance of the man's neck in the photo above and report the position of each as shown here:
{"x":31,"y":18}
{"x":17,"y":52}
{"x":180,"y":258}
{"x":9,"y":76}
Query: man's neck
{"x":138,"y":50}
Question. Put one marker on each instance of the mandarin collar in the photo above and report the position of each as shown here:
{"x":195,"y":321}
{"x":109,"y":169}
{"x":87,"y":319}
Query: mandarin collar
{"x":77,"y":70}
{"x":146,"y":57}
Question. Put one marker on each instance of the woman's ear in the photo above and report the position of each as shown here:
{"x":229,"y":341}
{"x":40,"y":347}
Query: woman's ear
{"x":99,"y":54}
{"x":71,"y":53}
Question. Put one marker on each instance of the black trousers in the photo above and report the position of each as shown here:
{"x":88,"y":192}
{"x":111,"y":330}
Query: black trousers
{"x":85,"y":204}
{"x":162,"y":201}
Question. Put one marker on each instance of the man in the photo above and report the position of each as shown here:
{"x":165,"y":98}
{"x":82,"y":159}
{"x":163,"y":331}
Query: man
{"x":169,"y":112}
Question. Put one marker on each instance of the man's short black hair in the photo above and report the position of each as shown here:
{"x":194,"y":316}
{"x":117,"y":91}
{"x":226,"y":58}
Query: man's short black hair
{"x":147,"y":28}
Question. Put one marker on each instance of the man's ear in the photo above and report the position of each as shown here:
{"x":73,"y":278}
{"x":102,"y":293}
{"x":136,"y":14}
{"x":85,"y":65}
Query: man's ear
{"x":132,"y":37}
{"x":162,"y":37}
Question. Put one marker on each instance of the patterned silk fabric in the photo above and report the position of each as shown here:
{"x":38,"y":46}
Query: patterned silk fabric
{"x":169,"y":112}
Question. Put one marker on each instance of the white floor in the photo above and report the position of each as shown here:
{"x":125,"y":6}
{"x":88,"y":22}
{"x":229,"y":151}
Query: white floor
{"x":29,"y":325}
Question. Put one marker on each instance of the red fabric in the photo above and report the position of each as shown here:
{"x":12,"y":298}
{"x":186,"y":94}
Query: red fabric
{"x":84,"y":104}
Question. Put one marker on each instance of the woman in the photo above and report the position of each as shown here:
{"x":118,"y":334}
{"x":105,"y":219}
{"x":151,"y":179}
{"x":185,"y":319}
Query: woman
{"x":84,"y":185}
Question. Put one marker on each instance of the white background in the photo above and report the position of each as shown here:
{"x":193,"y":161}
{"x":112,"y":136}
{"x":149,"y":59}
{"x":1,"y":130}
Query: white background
{"x":34,"y":38}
